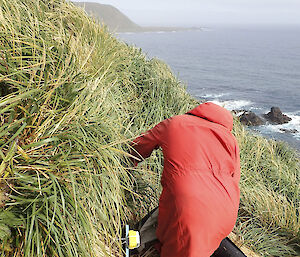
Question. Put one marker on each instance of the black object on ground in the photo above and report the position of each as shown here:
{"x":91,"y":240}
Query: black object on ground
{"x":228,"y":249}
{"x":147,"y":227}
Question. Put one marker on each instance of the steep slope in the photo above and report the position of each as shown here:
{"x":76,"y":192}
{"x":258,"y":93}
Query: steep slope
{"x":111,"y":16}
{"x":72,"y":98}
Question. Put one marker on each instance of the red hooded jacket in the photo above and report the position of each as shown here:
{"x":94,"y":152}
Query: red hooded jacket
{"x":200,"y":198}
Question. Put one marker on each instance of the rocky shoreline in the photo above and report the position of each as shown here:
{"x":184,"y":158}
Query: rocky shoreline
{"x":275,"y":117}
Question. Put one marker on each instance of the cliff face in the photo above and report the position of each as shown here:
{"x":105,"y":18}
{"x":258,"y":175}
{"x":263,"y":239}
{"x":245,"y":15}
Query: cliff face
{"x":115,"y":20}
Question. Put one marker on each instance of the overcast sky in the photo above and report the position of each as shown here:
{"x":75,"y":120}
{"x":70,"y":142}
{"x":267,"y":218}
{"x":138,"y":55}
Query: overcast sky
{"x":208,"y":12}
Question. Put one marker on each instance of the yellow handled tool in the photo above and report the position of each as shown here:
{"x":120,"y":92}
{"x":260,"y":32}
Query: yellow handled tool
{"x":132,"y":240}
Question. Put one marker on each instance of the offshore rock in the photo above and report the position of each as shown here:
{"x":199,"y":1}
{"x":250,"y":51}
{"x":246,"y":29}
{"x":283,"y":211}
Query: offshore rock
{"x":291,"y":131}
{"x":249,"y":118}
{"x":275,"y":116}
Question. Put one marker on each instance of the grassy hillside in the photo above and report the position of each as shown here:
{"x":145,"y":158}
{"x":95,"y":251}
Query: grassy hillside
{"x":72,"y":98}
{"x":116,"y":21}
{"x":111,"y":16}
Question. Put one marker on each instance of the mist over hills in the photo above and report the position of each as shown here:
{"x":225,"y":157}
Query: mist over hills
{"x":116,"y":21}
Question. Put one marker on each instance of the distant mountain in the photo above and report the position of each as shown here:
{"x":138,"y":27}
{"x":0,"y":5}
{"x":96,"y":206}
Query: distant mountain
{"x":111,"y":16}
{"x":116,"y":21}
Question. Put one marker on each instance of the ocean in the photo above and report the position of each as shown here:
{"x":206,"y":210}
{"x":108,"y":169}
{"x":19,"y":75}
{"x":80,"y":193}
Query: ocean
{"x":251,"y":68}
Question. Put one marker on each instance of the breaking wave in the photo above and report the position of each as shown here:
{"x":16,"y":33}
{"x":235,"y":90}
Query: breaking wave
{"x":293,"y":127}
{"x":234,"y":104}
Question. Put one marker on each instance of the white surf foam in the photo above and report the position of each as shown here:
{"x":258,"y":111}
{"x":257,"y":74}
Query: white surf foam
{"x":294,"y":124}
{"x":214,"y":95}
{"x":233,"y":105}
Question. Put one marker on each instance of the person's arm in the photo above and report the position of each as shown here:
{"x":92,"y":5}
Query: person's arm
{"x":143,"y":145}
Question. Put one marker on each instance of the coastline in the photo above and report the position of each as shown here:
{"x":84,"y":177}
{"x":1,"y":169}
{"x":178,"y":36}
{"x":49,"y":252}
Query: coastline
{"x":68,"y":117}
{"x":287,"y":132}
{"x":247,"y":87}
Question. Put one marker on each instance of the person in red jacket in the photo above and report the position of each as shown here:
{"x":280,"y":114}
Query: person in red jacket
{"x":200,"y":198}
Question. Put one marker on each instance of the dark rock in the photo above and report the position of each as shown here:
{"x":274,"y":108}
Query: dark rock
{"x":238,"y":112}
{"x":275,"y":116}
{"x":250,"y":119}
{"x":292,"y":131}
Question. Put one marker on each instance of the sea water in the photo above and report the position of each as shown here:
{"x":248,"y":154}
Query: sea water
{"x":251,"y":68}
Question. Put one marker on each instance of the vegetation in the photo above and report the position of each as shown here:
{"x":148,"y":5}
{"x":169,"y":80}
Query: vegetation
{"x":72,"y":98}
{"x":269,"y":212}
{"x":111,"y":16}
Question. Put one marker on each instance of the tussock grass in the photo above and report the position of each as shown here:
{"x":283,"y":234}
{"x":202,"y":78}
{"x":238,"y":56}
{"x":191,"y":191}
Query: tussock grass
{"x":72,"y":97}
{"x":269,"y":212}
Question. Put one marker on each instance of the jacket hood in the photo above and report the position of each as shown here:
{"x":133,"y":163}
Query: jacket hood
{"x":214,"y":113}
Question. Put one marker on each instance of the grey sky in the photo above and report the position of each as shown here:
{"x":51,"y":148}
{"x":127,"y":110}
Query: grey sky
{"x":207,"y":12}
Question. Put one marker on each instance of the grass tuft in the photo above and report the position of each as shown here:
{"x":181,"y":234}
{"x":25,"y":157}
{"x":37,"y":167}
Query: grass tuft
{"x":71,"y":98}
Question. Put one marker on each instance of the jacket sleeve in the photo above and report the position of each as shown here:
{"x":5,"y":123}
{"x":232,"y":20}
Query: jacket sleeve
{"x":143,"y":145}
